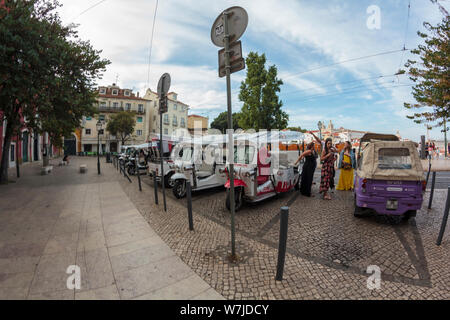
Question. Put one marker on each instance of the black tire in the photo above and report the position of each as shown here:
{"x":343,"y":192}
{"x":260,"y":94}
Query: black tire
{"x":238,"y":199}
{"x":169,"y":183}
{"x":179,"y":188}
{"x":359,"y":212}
{"x":409,"y":214}
{"x":130,"y":171}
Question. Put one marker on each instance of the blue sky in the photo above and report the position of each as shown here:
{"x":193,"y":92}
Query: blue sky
{"x":295,"y":35}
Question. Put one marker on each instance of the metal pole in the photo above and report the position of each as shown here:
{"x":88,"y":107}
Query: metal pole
{"x":444,"y":218}
{"x":138,"y":174}
{"x":17,"y":156}
{"x":155,"y":187}
{"x":282,"y":242}
{"x":98,"y":152}
{"x":445,"y":137}
{"x":422,"y":147}
{"x":428,"y":173}
{"x":433,"y":180}
{"x":161,"y":152}
{"x":189,"y":205}
{"x":230,"y":127}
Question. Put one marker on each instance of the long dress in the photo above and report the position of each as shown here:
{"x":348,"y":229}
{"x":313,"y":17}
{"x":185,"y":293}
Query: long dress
{"x":308,"y":174}
{"x":346,"y":176}
{"x":327,"y":174}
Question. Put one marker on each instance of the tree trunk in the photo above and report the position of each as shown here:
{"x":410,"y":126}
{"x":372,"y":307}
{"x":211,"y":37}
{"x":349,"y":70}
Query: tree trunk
{"x":5,"y":154}
{"x":45,"y":160}
{"x":17,"y":157}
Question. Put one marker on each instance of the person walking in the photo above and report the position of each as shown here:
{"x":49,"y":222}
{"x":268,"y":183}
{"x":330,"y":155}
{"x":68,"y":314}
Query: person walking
{"x":308,"y":168}
{"x":327,"y":175}
{"x":347,"y":162}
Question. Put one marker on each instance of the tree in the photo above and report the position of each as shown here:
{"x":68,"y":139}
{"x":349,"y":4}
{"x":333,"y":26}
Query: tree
{"x":121,"y":125}
{"x":221,"y":121}
{"x":47,"y":75}
{"x":262,"y":107}
{"x":432,"y":74}
{"x":298,"y":129}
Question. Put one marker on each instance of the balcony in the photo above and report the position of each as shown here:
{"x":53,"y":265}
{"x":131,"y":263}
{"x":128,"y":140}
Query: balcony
{"x":182,"y":125}
{"x":174,"y":123}
{"x":110,"y":109}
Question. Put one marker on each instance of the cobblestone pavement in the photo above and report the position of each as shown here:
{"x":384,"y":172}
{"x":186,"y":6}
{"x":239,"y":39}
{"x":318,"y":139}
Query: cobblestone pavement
{"x":328,"y":251}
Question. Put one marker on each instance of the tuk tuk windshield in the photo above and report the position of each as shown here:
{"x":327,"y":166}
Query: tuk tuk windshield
{"x":243,"y":154}
{"x":186,"y":154}
{"x":394,"y":158}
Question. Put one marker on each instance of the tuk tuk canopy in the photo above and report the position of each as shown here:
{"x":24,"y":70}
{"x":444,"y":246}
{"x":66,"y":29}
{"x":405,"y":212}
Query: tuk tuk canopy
{"x":390,"y":160}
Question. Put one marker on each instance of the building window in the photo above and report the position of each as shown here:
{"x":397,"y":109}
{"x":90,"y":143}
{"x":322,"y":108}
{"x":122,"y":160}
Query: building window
{"x":140,"y":108}
{"x":127,"y":93}
{"x":174,"y":121}
{"x":88,"y":131}
{"x":175,"y":107}
{"x":166,"y":131}
{"x":139,"y":119}
{"x":128,"y":106}
{"x":182,"y":122}
{"x":174,"y":96}
{"x":102,"y":90}
{"x":102,"y":104}
{"x":153,"y":130}
{"x":115,"y":104}
{"x":154,"y":118}
{"x":101,"y":117}
{"x":115,"y":92}
{"x":166,"y":118}
{"x":139,"y":132}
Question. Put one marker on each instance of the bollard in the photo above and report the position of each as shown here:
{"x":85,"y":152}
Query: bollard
{"x":428,"y":173}
{"x":282,"y":242}
{"x":189,"y":205}
{"x":155,"y":187}
{"x":433,"y":180}
{"x":139,"y":175}
{"x":444,"y":218}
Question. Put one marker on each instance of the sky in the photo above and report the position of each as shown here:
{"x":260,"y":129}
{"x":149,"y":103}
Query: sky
{"x":295,"y":35}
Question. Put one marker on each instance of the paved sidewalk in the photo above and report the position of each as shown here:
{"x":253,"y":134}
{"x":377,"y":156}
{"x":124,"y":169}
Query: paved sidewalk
{"x":48,"y":223}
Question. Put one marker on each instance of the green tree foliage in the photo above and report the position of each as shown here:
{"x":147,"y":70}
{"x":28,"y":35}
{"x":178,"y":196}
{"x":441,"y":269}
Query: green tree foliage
{"x":262,"y":107}
{"x":47,"y":74}
{"x":121,"y":125}
{"x":221,"y":121}
{"x":298,"y":129}
{"x":431,"y":74}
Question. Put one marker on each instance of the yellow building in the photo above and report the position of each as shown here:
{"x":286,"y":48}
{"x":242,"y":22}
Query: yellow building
{"x":111,"y":100}
{"x":175,"y":117}
{"x":196,"y":122}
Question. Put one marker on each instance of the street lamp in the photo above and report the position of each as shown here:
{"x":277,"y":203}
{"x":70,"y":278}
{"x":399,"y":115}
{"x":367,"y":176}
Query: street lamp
{"x":319,"y":125}
{"x":99,"y":128}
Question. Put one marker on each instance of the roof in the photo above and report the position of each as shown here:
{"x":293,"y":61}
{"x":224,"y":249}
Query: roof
{"x":379,"y":136}
{"x":197,"y":116}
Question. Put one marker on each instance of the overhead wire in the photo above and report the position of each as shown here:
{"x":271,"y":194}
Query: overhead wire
{"x":151,"y":45}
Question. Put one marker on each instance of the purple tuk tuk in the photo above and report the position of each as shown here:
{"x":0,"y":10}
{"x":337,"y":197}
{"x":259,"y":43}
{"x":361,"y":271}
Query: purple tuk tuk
{"x":389,"y":177}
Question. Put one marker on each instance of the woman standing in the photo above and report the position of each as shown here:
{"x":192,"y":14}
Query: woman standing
{"x":347,"y":162}
{"x":308,"y":169}
{"x":327,"y":176}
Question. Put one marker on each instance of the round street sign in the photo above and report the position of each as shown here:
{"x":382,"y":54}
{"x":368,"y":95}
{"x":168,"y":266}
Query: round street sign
{"x":237,"y":23}
{"x":163,"y":84}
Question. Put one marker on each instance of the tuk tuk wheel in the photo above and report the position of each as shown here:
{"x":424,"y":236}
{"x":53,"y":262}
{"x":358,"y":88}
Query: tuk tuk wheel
{"x":359,"y":212}
{"x":409,"y":214}
{"x":179,"y":189}
{"x":169,"y":183}
{"x":238,"y":199}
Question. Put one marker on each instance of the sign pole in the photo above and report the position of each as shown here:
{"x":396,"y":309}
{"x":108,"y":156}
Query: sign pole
{"x":230,"y":134}
{"x":161,"y":154}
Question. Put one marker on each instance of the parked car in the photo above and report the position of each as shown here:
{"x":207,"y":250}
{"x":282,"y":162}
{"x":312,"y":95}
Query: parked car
{"x":198,"y":161}
{"x":389,"y":178}
{"x":259,"y":173}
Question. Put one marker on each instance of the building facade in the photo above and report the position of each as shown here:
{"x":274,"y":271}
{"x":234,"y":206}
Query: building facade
{"x":196,"y":122}
{"x":110,"y":101}
{"x":175,"y":118}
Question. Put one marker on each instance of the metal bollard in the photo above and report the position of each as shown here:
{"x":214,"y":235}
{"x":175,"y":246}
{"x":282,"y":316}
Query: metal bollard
{"x":138,"y":170}
{"x":444,"y":218}
{"x":428,"y":173}
{"x":189,"y":205}
{"x":155,"y":187}
{"x":433,"y":180}
{"x":282,"y":242}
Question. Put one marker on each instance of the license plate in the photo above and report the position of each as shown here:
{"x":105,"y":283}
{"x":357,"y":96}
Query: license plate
{"x":392,"y":204}
{"x":394,"y":189}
